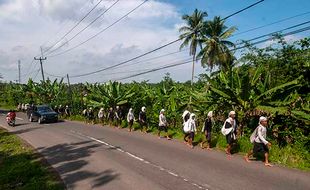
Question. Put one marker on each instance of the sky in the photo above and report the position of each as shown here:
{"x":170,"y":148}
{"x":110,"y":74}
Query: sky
{"x":27,"y":25}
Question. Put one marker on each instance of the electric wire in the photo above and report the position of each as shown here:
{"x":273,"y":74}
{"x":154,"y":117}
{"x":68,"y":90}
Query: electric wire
{"x":122,"y":63}
{"x":105,"y":11}
{"x":272,"y":23}
{"x":64,"y":24}
{"x":144,"y":54}
{"x":238,"y":48}
{"x":101,"y":31}
{"x":69,"y":31}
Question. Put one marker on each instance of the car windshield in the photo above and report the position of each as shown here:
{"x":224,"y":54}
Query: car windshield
{"x":44,"y":109}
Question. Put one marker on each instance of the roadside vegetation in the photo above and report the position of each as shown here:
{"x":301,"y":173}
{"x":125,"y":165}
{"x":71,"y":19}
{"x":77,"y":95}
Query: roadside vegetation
{"x":272,"y":81}
{"x":21,"y":168}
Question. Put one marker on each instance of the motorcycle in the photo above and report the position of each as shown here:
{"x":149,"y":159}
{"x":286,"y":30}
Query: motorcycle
{"x":10,"y":119}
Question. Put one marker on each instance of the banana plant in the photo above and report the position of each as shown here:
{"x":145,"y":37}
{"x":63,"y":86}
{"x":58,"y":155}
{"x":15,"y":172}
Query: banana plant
{"x":109,"y":94}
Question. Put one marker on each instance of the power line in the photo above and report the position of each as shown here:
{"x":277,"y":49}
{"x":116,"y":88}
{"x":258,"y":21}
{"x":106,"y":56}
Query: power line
{"x":272,"y":33}
{"x":56,"y":76}
{"x":157,"y":57}
{"x":242,"y":10}
{"x":73,"y":27}
{"x":64,"y":24}
{"x":238,"y":48}
{"x":34,"y":78}
{"x":85,"y":27}
{"x":120,"y":72}
{"x":272,"y":23}
{"x":97,"y":34}
{"x":122,"y":63}
{"x":142,"y":55}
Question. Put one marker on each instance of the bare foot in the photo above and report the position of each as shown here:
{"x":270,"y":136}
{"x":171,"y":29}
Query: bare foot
{"x":268,"y":165}
{"x":246,"y":158}
{"x":168,"y":138}
{"x":209,"y":148}
{"x":201,"y":146}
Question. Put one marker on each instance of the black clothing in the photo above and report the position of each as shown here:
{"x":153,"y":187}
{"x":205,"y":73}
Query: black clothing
{"x":163,"y":128}
{"x":142,"y":117}
{"x":260,"y":148}
{"x":208,"y":125}
{"x":192,"y":135}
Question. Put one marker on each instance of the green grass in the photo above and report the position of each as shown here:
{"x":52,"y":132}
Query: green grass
{"x":21,"y":168}
{"x":6,"y":106}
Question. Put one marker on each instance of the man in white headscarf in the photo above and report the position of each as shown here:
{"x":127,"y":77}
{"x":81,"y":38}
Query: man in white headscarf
{"x":261,"y":145}
{"x":207,"y":130}
{"x":130,"y":119}
{"x":101,"y":115}
{"x":192,"y":129}
{"x":185,"y":116}
{"x":142,"y":120}
{"x":229,"y":129}
{"x":162,"y":125}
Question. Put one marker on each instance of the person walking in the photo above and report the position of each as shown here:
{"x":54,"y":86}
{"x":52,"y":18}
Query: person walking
{"x":229,"y":129}
{"x":101,"y":115}
{"x":192,"y":129}
{"x":111,"y":116}
{"x":90,"y":115}
{"x":185,"y":116}
{"x":67,"y":111}
{"x":142,"y":120}
{"x":130,"y":119}
{"x":162,"y":126}
{"x":118,"y":117}
{"x":261,"y":145}
{"x":84,"y":113}
{"x":207,"y":130}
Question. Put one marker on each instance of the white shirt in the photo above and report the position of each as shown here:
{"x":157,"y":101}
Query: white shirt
{"x":162,"y":120}
{"x":261,"y":135}
{"x":100,"y":114}
{"x":192,"y":125}
{"x":130,"y":116}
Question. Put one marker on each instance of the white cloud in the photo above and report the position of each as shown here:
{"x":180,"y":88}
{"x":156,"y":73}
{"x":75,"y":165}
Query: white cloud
{"x":152,"y":25}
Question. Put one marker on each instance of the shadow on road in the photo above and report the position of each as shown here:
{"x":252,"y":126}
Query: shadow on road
{"x":20,"y":124}
{"x":70,"y":161}
{"x":21,"y":131}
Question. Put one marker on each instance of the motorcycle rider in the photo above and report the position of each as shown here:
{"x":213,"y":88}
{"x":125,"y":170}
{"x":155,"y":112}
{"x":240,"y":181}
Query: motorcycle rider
{"x":10,"y":117}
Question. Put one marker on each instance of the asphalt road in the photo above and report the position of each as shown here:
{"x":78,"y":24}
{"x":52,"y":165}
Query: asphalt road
{"x":96,"y":157}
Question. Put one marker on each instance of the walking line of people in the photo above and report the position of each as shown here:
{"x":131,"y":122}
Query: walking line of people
{"x":229,"y":128}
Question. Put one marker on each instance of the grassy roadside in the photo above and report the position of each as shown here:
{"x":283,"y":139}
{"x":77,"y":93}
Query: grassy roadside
{"x":290,"y":156}
{"x":21,"y":168}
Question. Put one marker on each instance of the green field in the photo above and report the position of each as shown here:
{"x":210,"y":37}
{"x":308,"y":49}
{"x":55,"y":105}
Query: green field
{"x":21,"y":168}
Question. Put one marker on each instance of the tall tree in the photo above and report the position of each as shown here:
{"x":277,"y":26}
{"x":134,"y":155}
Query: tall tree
{"x":215,"y":51}
{"x":192,"y":33}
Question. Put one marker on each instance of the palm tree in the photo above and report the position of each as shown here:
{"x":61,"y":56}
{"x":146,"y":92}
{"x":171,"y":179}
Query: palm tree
{"x":192,"y":33}
{"x":216,"y":50}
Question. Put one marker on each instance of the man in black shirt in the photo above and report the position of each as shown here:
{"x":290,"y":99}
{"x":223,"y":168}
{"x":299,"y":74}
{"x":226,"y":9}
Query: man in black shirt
{"x":142,"y":120}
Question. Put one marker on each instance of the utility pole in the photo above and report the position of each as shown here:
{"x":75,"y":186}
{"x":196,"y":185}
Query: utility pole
{"x":41,"y":59}
{"x":70,"y":92}
{"x":19,"y":77}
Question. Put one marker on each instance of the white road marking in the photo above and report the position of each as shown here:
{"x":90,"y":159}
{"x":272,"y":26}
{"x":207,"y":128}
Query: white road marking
{"x":175,"y":175}
{"x":134,"y":156}
{"x":19,"y":118}
{"x":138,"y":158}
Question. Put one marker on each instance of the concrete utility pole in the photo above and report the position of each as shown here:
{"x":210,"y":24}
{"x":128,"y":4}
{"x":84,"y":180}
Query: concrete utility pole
{"x":70,"y":92}
{"x":41,"y":59}
{"x":19,"y":76}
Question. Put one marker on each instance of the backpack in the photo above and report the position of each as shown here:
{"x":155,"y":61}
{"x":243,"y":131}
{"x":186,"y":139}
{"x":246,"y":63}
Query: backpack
{"x":253,"y":135}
